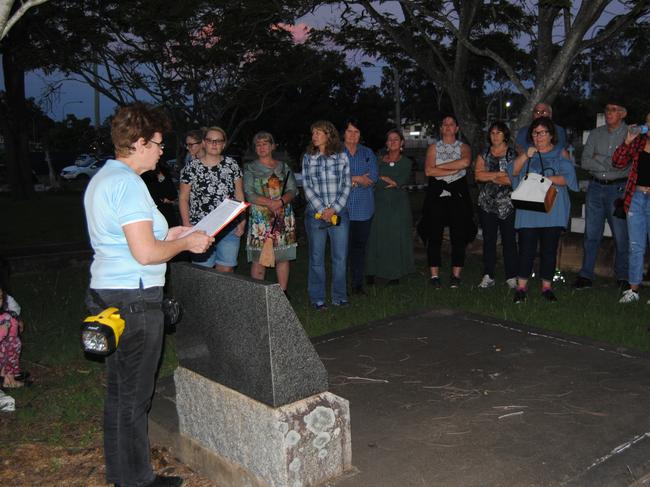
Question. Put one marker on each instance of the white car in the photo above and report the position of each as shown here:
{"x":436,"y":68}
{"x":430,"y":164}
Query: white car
{"x":81,"y":172}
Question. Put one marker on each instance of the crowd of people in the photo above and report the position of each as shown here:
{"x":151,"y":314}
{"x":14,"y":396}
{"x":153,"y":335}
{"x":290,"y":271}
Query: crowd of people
{"x":355,"y":198}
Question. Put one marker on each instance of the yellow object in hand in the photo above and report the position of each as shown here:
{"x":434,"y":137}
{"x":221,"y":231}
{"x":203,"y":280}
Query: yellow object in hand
{"x":333,"y":221}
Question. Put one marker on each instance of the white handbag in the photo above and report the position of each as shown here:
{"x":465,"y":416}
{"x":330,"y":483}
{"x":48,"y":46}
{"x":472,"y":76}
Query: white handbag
{"x":535,"y":192}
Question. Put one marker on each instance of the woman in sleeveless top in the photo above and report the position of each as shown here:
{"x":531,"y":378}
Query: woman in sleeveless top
{"x":447,"y":202}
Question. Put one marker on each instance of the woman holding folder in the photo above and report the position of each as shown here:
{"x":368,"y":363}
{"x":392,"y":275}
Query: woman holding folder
{"x":205,"y":183}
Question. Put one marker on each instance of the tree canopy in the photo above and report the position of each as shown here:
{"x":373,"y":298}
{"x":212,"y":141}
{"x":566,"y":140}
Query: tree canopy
{"x":470,"y":47}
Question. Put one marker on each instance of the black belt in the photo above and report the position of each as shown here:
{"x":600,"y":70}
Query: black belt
{"x":608,"y":181}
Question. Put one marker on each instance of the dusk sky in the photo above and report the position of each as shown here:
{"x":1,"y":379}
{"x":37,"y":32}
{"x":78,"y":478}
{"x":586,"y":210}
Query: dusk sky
{"x":77,"y":98}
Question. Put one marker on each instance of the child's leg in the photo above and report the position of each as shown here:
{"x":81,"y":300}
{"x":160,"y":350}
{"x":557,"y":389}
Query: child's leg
{"x":10,"y":360}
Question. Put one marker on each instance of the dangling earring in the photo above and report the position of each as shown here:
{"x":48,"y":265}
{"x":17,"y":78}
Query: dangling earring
{"x":401,"y":148}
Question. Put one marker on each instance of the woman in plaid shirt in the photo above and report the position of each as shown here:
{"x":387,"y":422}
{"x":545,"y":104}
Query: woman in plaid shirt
{"x":636,"y":203}
{"x":327,"y":183}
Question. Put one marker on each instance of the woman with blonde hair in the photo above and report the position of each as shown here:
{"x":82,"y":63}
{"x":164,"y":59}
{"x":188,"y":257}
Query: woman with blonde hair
{"x":270,"y":186}
{"x":205,"y":182}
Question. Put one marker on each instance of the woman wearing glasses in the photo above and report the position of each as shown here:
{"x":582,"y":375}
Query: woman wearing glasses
{"x":535,"y":227}
{"x":194,"y":145}
{"x":131,"y":243}
{"x":205,"y":183}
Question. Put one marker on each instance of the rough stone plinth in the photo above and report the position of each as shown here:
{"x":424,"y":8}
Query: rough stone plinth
{"x":295,"y":445}
{"x":245,"y":335}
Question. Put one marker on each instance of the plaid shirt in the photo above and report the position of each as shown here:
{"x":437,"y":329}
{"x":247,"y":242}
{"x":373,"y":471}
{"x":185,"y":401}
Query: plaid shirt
{"x":622,"y":157}
{"x":327,"y":181}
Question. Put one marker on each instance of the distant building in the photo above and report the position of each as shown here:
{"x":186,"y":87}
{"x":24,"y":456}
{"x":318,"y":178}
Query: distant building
{"x":418,"y":135}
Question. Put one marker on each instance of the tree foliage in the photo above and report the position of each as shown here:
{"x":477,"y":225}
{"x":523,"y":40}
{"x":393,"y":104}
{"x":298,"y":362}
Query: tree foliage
{"x":475,"y":46}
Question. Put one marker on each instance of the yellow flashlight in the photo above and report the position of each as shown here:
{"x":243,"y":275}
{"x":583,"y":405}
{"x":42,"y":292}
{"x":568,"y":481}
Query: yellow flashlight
{"x":101,"y":333}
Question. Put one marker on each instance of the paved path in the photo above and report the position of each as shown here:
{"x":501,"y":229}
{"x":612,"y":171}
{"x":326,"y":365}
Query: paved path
{"x":451,"y":399}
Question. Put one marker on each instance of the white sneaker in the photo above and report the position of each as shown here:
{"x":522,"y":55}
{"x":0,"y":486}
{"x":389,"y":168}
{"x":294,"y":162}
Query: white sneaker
{"x":512,"y":283}
{"x":7,"y":403}
{"x":629,"y":296}
{"x":486,"y":282}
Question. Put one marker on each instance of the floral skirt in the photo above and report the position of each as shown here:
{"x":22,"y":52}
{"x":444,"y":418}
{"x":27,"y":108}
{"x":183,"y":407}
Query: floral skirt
{"x":10,"y":355}
{"x":261,"y":226}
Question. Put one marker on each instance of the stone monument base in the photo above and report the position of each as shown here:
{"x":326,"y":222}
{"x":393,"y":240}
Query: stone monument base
{"x":237,"y":441}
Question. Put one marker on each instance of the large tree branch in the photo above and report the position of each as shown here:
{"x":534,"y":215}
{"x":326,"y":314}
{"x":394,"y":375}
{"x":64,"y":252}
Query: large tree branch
{"x":499,"y":60}
{"x":8,"y":20}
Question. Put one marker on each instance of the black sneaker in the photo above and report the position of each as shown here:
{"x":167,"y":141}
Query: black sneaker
{"x":435,"y":282}
{"x":548,"y":295}
{"x":454,"y":282}
{"x":582,"y":283}
{"x":520,"y":296}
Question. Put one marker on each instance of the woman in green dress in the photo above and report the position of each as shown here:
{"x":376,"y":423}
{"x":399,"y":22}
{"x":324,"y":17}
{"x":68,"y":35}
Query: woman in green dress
{"x":270,"y":186}
{"x":390,"y":248}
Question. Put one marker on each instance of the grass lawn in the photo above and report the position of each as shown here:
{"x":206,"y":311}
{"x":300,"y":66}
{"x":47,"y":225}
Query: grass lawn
{"x":63,"y":407}
{"x":49,"y":218}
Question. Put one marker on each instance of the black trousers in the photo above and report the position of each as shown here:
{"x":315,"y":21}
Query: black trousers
{"x":548,"y":239}
{"x":442,"y":211}
{"x":491,"y":225}
{"x":130,"y":381}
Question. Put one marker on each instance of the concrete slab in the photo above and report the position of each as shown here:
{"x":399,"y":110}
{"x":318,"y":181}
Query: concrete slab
{"x":452,"y":399}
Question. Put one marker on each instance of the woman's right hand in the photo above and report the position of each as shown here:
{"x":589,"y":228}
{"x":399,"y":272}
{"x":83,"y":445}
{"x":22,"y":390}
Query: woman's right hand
{"x":633,"y":132}
{"x":530,"y":152}
{"x":198,"y":242}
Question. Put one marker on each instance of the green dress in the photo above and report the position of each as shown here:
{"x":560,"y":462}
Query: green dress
{"x":260,"y":180}
{"x":390,"y":246}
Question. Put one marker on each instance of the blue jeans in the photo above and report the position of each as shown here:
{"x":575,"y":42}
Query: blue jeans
{"x":317,"y":234}
{"x":223,"y":252}
{"x":599,"y":206}
{"x":130,"y":382}
{"x":638,"y":227}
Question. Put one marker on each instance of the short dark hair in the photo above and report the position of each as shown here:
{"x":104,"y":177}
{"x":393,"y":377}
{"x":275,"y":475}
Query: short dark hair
{"x":134,"y":121}
{"x":501,"y":127}
{"x":196,"y":134}
{"x":351,"y":121}
{"x":545,"y":122}
{"x":396,"y":131}
{"x":449,"y":115}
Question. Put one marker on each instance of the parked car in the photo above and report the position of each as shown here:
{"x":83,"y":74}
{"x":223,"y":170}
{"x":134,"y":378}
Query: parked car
{"x":84,"y":160}
{"x":81,"y":172}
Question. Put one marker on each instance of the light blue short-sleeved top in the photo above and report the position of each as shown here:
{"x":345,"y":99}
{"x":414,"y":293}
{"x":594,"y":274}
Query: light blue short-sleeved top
{"x":554,"y":165}
{"x":117,"y":196}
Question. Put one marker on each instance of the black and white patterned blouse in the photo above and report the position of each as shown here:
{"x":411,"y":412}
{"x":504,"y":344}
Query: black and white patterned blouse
{"x":210,"y":185}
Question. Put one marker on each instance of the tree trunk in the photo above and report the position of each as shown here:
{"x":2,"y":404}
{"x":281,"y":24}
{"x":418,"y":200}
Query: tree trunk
{"x":19,"y":170}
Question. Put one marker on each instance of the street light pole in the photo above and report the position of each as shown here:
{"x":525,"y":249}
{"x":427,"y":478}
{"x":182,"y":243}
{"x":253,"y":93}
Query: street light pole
{"x":65,"y":105}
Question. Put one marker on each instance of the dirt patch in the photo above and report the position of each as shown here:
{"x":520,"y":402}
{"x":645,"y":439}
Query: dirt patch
{"x":42,"y":465}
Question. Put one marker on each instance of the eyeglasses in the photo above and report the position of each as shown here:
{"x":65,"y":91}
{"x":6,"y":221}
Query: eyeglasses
{"x":539,"y":133}
{"x":614,"y":109}
{"x":540,"y":112}
{"x":214,"y":141}
{"x":160,"y":145}
{"x":192,"y":144}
